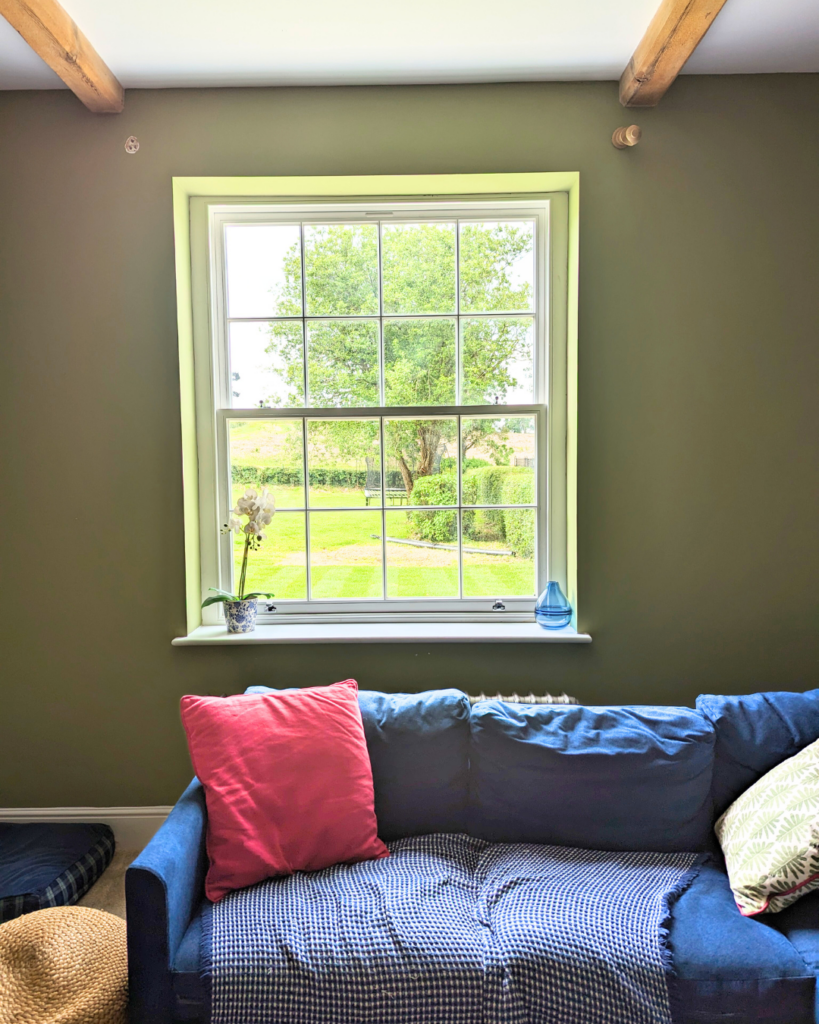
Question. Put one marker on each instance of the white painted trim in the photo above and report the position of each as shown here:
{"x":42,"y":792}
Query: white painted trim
{"x":385,"y":632}
{"x":134,"y":827}
{"x":207,"y":217}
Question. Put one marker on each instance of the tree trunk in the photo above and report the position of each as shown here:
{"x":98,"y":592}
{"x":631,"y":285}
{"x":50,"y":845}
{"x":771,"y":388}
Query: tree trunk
{"x":429,"y":439}
{"x":406,"y":473}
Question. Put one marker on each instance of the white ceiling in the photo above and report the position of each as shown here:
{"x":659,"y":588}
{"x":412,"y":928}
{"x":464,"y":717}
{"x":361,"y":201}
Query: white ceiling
{"x":167,"y":43}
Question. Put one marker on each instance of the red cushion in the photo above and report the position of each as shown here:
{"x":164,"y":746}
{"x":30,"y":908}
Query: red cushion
{"x":288,"y":783}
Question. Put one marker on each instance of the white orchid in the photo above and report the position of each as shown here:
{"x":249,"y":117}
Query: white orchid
{"x":258,"y":507}
{"x":248,"y":504}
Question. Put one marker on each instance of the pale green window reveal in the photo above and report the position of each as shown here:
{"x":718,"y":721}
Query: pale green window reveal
{"x":397,"y":372}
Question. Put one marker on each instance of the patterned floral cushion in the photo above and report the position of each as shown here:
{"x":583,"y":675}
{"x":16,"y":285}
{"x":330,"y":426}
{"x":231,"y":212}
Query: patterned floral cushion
{"x":770,"y":836}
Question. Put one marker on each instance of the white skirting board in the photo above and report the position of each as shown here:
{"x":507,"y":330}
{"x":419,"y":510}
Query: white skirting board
{"x":133,"y":827}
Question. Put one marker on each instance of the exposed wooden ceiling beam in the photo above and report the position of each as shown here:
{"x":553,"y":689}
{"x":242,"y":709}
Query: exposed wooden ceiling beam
{"x":673,"y":35}
{"x":51,"y":33}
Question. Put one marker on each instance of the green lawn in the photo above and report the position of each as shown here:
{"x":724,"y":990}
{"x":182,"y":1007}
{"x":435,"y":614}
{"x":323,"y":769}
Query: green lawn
{"x":346,"y":558}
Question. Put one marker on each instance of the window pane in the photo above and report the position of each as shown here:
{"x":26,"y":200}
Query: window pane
{"x":341,"y":269}
{"x":266,"y":364}
{"x":422,"y":554}
{"x":263,"y":267}
{"x":342,"y":363}
{"x":498,"y":459}
{"x":499,"y":555}
{"x":497,"y":361}
{"x":419,"y":362}
{"x":345,"y":554}
{"x":280,"y":564}
{"x":268,"y":453}
{"x":424,"y":454}
{"x":418,"y":263}
{"x":497,"y":266}
{"x":344,"y":463}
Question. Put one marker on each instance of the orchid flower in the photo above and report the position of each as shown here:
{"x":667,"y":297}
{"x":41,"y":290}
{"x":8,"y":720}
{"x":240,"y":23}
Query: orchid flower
{"x":258,"y":507}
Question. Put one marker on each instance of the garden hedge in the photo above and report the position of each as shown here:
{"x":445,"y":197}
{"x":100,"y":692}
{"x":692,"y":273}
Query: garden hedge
{"x":267,"y":476}
{"x":519,"y":524}
{"x":501,"y":485}
{"x":441,"y":526}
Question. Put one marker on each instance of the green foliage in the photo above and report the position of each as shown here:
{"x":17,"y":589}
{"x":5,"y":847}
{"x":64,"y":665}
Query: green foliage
{"x":419,"y":268}
{"x":440,"y":489}
{"x":440,"y":526}
{"x":224,"y":597}
{"x":259,"y":476}
{"x":490,"y":435}
{"x":342,"y":362}
{"x":488,"y":253}
{"x":419,"y":362}
{"x":519,"y":524}
{"x":501,"y":485}
{"x":450,"y":464}
{"x":352,"y":440}
{"x":486,"y":487}
{"x":490,"y":348}
{"x":489,"y":482}
{"x":341,"y":271}
{"x":341,"y":264}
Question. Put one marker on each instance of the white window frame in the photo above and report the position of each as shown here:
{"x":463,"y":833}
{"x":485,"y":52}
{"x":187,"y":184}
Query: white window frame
{"x":208,"y":219}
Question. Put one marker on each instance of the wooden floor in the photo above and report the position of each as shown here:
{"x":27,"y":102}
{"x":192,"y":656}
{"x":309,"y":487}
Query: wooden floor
{"x":109,"y":892}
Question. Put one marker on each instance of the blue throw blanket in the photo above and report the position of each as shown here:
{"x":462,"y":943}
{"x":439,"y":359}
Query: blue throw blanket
{"x":451,"y":930}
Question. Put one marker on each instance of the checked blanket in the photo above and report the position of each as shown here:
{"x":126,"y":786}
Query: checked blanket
{"x":451,"y":930}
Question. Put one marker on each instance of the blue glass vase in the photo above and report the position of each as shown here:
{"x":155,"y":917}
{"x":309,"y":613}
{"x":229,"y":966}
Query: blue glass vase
{"x":552,"y":610}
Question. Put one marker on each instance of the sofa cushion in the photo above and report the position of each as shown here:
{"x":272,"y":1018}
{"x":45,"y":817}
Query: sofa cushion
{"x":287,"y":780}
{"x":770,"y":836}
{"x":730,"y":968}
{"x":800,"y":924}
{"x":419,"y":748}
{"x":419,"y":751}
{"x":727,"y":968}
{"x":754,"y":732}
{"x":607,"y":778}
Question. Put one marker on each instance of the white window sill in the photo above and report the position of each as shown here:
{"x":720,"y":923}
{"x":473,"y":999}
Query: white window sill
{"x":385,"y":632}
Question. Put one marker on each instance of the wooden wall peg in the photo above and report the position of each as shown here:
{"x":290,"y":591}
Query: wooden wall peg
{"x":624,"y":137}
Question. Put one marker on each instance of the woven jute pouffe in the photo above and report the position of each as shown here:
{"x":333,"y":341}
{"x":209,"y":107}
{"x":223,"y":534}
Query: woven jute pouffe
{"x":66,"y":965}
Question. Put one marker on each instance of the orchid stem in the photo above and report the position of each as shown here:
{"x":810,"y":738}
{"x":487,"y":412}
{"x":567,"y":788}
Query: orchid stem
{"x":243,"y":574}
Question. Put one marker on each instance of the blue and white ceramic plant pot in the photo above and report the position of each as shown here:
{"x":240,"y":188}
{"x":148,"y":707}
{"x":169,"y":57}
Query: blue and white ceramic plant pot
{"x":240,"y":616}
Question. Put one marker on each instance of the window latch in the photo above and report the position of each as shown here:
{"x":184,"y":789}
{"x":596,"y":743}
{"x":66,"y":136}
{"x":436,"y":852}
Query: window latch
{"x":499,"y":606}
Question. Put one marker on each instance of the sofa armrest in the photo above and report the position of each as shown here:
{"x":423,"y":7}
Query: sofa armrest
{"x":163,"y":888}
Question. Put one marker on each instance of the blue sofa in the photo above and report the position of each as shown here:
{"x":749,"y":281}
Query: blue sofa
{"x":610,"y":778}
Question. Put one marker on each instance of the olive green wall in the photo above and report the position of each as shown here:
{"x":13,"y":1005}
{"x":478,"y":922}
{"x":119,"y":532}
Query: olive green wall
{"x":699,"y":405}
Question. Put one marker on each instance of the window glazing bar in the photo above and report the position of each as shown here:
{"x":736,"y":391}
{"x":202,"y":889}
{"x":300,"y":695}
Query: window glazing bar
{"x":452,"y":315}
{"x":415,"y":412}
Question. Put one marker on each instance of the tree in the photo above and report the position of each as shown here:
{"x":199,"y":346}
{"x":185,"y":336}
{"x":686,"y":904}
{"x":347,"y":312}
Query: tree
{"x":418,"y":261}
